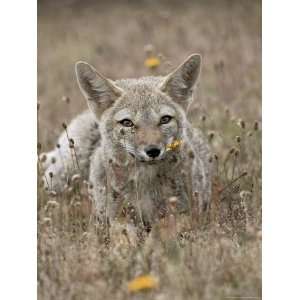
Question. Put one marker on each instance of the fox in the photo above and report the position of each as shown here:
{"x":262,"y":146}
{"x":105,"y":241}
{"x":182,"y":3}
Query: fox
{"x":134,"y":145}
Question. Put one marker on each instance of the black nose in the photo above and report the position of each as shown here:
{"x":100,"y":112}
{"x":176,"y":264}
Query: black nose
{"x":152,"y":151}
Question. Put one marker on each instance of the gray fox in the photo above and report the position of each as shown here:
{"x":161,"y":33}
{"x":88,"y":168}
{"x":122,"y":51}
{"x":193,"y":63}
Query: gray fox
{"x":134,"y":145}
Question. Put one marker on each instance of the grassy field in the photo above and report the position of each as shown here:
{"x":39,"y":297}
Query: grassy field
{"x":218,"y":258}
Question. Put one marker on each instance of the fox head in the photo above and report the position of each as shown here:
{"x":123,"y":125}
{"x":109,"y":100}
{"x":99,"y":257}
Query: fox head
{"x":141,"y":116}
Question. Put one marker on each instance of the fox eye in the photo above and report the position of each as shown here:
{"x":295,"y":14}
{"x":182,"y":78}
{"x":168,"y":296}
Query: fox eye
{"x":165,"y":119}
{"x":126,"y":123}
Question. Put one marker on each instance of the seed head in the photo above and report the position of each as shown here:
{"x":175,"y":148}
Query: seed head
{"x":52,"y":203}
{"x":57,"y":145}
{"x":53,"y":160}
{"x":196,"y":194}
{"x":149,"y":48}
{"x":232,"y":150}
{"x":227,"y":112}
{"x":52,"y":194}
{"x":238,"y":139}
{"x":245,"y":194}
{"x":66,"y":99}
{"x":122,"y":131}
{"x":211,"y":136}
{"x":71,"y":143}
{"x":47,"y":221}
{"x":259,"y":234}
{"x":75,"y":178}
{"x":64,"y":125}
{"x":173,"y":200}
{"x":191,"y":154}
{"x":86,"y":183}
{"x":203,"y":118}
{"x":77,"y":204}
{"x":256,"y":125}
{"x":241,"y":123}
{"x":50,"y":174}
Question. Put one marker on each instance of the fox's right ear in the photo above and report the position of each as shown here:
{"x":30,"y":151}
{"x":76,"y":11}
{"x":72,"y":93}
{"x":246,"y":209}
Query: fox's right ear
{"x":99,"y":91}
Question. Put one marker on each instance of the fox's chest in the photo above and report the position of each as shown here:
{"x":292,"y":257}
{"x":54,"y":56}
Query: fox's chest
{"x":149,"y":188}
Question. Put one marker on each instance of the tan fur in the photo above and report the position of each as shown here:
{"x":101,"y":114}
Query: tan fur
{"x":115,"y":157}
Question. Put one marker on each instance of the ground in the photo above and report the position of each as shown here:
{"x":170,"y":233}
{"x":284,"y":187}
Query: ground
{"x":217,"y":259}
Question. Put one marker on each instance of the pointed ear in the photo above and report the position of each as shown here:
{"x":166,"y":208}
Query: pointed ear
{"x":179,"y":84}
{"x":100,"y":92}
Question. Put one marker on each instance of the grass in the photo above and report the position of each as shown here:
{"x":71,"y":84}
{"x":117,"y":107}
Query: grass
{"x":218,"y":258}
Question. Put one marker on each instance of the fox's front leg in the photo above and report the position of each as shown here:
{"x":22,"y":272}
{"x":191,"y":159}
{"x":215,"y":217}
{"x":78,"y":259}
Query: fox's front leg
{"x":201,"y":185}
{"x":98,"y":184}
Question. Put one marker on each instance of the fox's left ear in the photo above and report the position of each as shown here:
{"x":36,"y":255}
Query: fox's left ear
{"x":179,"y":84}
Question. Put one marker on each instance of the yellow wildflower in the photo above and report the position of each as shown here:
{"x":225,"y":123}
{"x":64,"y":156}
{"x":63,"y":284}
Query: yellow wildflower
{"x":174,"y":145}
{"x":152,"y":62}
{"x":140,"y":283}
